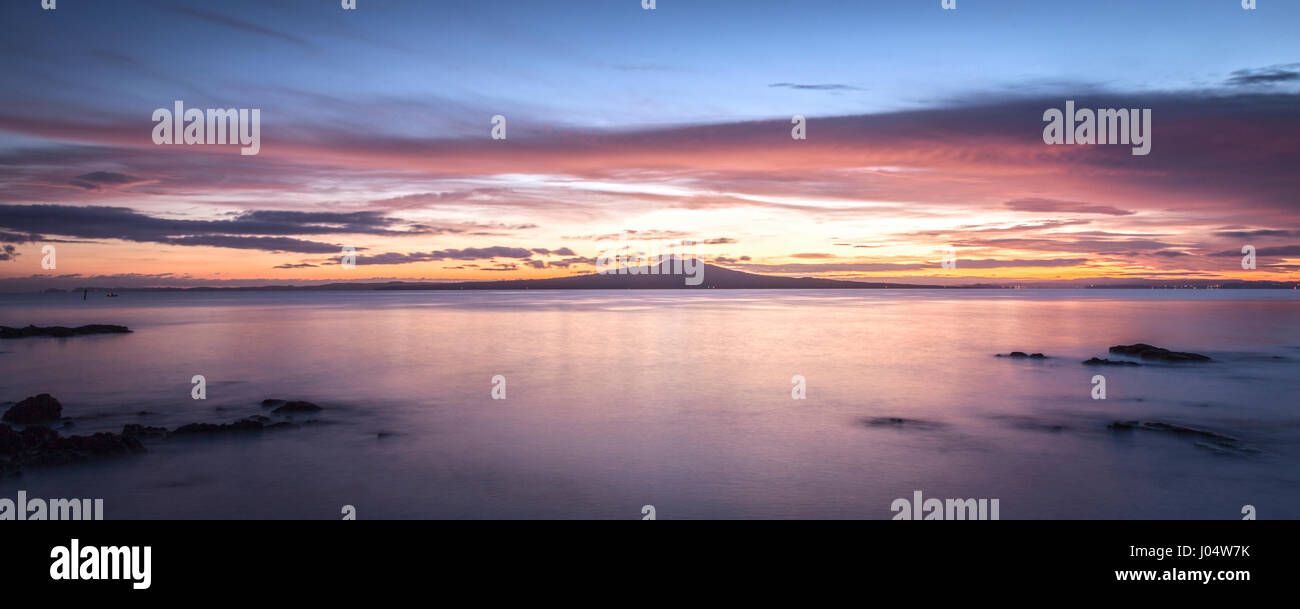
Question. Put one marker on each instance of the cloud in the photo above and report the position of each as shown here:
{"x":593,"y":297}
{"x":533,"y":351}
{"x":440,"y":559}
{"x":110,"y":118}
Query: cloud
{"x":471,"y":253}
{"x":97,"y":179}
{"x":266,"y":244}
{"x":1050,"y":205}
{"x":238,"y":24}
{"x":1265,"y":76}
{"x":1284,"y":250}
{"x":816,"y":87}
{"x":6,"y":237}
{"x":8,"y":252}
{"x":264,"y":230}
{"x":907,"y":266}
{"x":1248,"y":234}
{"x":564,"y":251}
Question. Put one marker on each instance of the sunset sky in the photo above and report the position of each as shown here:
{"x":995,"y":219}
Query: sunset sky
{"x":924,"y":131}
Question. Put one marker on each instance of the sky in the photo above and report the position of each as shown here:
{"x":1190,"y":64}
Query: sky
{"x":924,"y":135}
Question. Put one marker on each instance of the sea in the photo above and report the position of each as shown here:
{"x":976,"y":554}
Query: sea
{"x":697,"y":404}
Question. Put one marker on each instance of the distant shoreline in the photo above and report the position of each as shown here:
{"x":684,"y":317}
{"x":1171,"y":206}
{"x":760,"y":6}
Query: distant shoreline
{"x":713,"y":278}
{"x":489,"y":288}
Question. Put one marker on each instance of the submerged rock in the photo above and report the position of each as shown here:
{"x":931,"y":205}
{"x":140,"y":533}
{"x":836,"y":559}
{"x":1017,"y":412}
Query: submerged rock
{"x":39,"y":446}
{"x":1149,"y":352}
{"x":143,"y":431}
{"x":1211,"y":440}
{"x":1019,"y":354}
{"x":60,"y":331}
{"x":1096,"y":361}
{"x":901,"y":422}
{"x":296,"y":407}
{"x":199,"y":428}
{"x":41,"y":408}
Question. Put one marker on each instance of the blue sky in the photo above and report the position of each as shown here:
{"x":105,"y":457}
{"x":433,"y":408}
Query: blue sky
{"x":609,"y":63}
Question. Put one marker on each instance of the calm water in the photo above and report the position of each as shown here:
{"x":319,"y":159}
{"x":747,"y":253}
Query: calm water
{"x":679,"y":400}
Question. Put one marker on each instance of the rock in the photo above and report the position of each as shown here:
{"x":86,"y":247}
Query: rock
{"x":1145,"y":351}
{"x":297,"y":406}
{"x":270,"y":402}
{"x":255,"y":423}
{"x":36,"y":409}
{"x":10,"y":441}
{"x":1020,"y":354}
{"x":143,"y":431}
{"x":1096,"y":361}
{"x":40,"y":446}
{"x":60,"y":331}
{"x":1181,"y":429}
{"x":201,"y":428}
{"x":901,"y":422}
{"x":1213,"y":441}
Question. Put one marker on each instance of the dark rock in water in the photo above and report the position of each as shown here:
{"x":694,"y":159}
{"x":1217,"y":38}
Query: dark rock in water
{"x":143,"y":431}
{"x":1096,"y":361}
{"x":60,"y":331}
{"x":297,"y":406}
{"x":269,"y":402}
{"x":1181,"y":429}
{"x":1213,"y":441}
{"x":1019,"y":354}
{"x":255,"y":423}
{"x":1145,"y":351}
{"x":40,"y":446}
{"x":901,"y":422}
{"x":200,"y":428}
{"x":36,"y":409}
